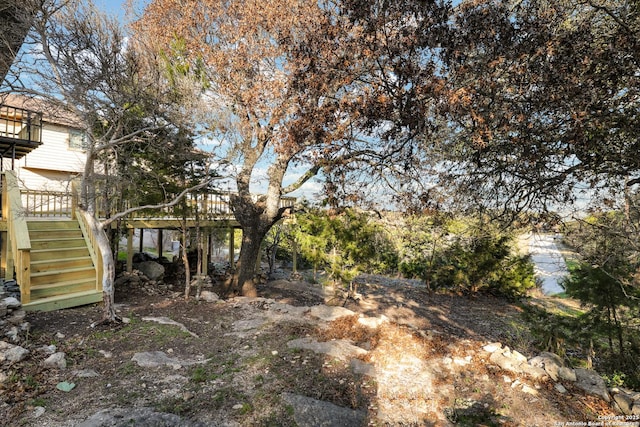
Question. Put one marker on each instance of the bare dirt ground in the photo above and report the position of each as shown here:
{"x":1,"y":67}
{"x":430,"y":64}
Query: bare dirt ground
{"x":234,"y":365}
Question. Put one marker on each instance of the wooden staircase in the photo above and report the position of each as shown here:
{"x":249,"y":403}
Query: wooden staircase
{"x":62,"y":271}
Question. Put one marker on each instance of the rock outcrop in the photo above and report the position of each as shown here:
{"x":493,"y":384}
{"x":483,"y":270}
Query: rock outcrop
{"x":547,"y":366}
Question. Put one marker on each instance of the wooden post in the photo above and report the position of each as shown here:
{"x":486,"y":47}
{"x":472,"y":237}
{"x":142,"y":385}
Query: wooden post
{"x":5,"y":197}
{"x":10,"y":269}
{"x":160,"y":238}
{"x":206,"y":247}
{"x":5,"y":259}
{"x":141,"y":243}
{"x":24,"y":277}
{"x":6,"y":263}
{"x":74,"y":202}
{"x":294,"y":254}
{"x":232,"y":249}
{"x":130,"y":232}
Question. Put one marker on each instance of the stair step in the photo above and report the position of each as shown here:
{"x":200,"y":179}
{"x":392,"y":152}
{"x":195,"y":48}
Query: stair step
{"x":47,"y":265}
{"x":62,"y":288}
{"x":57,"y":225}
{"x":62,"y":275}
{"x":59,"y":253}
{"x":54,"y":234}
{"x":38,"y":244}
{"x":64,"y":301}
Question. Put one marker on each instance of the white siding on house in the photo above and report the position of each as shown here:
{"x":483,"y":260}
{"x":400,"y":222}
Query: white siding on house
{"x":52,"y":164}
{"x":40,"y":179}
{"x":54,"y":153}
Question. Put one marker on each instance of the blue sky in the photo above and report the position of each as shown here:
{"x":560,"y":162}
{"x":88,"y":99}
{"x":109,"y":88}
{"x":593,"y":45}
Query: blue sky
{"x":116,"y":7}
{"x":111,"y":6}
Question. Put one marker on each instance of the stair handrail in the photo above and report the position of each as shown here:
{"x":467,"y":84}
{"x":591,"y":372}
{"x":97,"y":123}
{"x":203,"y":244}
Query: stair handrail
{"x":90,"y":238}
{"x":18,"y":234}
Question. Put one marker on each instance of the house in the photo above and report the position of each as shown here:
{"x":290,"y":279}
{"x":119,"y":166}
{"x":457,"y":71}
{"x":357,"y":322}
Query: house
{"x":44,"y":246}
{"x":51,"y":138}
{"x":48,"y":249}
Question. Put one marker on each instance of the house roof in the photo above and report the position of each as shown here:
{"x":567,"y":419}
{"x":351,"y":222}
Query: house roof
{"x":51,"y":112}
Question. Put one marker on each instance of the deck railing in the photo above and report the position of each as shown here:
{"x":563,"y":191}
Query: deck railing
{"x":94,"y":248}
{"x":42,"y":203}
{"x":19,"y":123}
{"x":39,"y":203}
{"x":18,"y":205}
{"x":18,"y":235}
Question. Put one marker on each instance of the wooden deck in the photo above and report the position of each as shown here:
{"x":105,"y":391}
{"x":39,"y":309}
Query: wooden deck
{"x":52,"y":255}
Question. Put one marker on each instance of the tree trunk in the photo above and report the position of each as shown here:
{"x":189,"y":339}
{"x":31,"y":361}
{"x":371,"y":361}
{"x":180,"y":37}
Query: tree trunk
{"x":618,"y":326}
{"x":246,"y":267}
{"x":256,"y":217}
{"x":272,"y":251}
{"x":185,"y":262}
{"x":108,"y":267}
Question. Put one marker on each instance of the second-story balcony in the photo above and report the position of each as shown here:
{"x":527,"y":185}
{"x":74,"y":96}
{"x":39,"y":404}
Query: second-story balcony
{"x":20,"y":131}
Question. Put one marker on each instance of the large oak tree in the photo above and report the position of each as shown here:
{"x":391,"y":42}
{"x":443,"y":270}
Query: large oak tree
{"x":305,"y":86}
{"x":544,"y":100}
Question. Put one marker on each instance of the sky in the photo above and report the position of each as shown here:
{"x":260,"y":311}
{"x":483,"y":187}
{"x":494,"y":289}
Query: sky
{"x":111,"y":6}
{"x":116,"y":7}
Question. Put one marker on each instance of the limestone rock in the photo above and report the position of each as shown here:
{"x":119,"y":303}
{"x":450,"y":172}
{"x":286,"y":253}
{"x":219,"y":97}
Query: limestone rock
{"x":12,"y":353}
{"x":550,"y":362}
{"x":209,"y":296}
{"x":529,"y":390}
{"x":503,"y":358}
{"x":591,"y":382}
{"x":491,"y":347}
{"x":624,"y":403}
{"x":55,"y":361}
{"x":518,"y":357}
{"x":140,"y":417}
{"x":329,"y":313}
{"x":289,"y":309}
{"x":339,"y":349}
{"x":155,"y":359}
{"x":560,"y":388}
{"x":13,"y":334}
{"x":534,"y":372}
{"x":11,"y":302}
{"x":10,"y":288}
{"x":567,"y":374}
{"x":48,"y":349}
{"x":462,"y":361}
{"x":85,"y":373}
{"x":151,"y":269}
{"x":166,"y":321}
{"x":17,"y":317}
{"x":39,"y":411}
{"x":308,"y":412}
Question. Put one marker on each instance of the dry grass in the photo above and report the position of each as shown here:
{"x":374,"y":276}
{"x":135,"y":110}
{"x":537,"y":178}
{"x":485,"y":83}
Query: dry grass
{"x":347,"y":327}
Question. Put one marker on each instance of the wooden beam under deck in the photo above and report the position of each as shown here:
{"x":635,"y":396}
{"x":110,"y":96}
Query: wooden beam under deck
{"x":164,"y":223}
{"x":172,"y":223}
